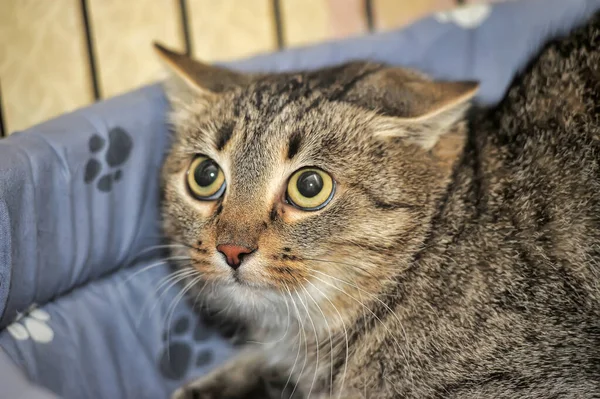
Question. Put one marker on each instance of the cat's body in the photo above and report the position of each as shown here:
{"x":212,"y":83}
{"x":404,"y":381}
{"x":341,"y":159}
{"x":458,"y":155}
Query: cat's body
{"x":452,"y":261}
{"x":504,"y":301}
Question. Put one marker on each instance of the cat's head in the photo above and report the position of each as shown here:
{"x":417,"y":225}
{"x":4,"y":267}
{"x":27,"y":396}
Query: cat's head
{"x":316,"y":185}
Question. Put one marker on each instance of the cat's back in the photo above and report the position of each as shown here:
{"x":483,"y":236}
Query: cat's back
{"x":540,"y":151}
{"x":554,"y":103}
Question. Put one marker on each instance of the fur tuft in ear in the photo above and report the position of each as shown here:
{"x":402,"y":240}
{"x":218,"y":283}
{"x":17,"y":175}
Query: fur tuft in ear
{"x":191,"y":78}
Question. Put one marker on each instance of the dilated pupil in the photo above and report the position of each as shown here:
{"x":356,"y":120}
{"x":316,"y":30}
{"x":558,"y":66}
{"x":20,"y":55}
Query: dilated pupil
{"x":309,"y":184}
{"x":206,"y":173}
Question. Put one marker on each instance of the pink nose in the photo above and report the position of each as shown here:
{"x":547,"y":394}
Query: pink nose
{"x":234,"y":253}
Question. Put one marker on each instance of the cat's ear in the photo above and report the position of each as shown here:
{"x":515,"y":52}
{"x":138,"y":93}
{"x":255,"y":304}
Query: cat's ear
{"x":413,"y":106}
{"x":191,"y":78}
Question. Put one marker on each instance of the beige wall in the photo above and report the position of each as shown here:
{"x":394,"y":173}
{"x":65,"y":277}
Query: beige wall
{"x":43,"y":64}
{"x":44,"y":54}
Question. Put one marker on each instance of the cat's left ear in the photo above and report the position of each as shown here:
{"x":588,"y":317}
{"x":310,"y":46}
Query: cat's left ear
{"x":413,"y":106}
{"x":191,"y":79}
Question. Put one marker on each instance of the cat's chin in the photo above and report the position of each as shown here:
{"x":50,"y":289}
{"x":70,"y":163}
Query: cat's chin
{"x":242,"y":297}
{"x":238,"y":285}
{"x":238,"y":280}
{"x":250,"y":277}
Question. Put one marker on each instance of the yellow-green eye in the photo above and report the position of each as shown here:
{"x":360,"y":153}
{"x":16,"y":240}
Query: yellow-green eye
{"x":205,"y":179}
{"x":310,"y":189}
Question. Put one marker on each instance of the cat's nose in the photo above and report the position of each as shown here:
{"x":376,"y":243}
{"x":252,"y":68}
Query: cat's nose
{"x":234,"y":253}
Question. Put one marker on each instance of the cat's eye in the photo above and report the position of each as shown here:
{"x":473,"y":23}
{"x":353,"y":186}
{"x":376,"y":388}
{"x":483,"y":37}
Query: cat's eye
{"x":310,"y":189}
{"x":205,"y":179}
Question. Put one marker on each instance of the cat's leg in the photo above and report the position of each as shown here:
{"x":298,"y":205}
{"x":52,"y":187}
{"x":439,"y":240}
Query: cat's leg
{"x":244,"y":376}
{"x":234,"y":379}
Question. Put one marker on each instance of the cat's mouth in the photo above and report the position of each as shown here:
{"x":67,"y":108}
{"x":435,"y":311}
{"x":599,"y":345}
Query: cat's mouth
{"x":246,"y":275}
{"x":237,"y":278}
{"x":254,"y":275}
{"x":258,"y":270}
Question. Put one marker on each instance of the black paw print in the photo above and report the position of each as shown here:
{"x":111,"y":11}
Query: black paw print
{"x":119,"y":149}
{"x":180,"y":352}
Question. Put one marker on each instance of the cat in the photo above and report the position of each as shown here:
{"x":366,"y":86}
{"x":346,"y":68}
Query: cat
{"x":381,"y":238}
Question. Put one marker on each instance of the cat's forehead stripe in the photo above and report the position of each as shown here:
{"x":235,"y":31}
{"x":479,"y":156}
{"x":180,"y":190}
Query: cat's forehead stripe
{"x":224,"y":134}
{"x":294,"y":144}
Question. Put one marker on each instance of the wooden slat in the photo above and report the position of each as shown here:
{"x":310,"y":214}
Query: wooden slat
{"x":3,"y":131}
{"x":347,"y":18}
{"x":43,"y":63}
{"x":229,"y":29}
{"x":393,"y":14}
{"x":482,"y":1}
{"x":123,"y":32}
{"x":304,"y":21}
{"x":311,"y":21}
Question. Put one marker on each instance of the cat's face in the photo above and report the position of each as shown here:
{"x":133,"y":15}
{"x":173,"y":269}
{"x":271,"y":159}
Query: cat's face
{"x":318,"y":185}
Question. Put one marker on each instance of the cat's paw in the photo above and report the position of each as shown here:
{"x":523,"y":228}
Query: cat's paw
{"x":184,"y":393}
{"x":179,"y":394}
{"x":201,"y":389}
{"x":219,"y":386}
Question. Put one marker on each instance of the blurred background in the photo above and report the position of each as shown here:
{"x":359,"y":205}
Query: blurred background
{"x":59,"y":55}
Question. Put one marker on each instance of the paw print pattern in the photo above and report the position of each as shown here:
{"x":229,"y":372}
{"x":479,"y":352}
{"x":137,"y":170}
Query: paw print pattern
{"x":467,"y":17}
{"x":181,"y":351}
{"x":33,"y":325}
{"x":117,"y":153}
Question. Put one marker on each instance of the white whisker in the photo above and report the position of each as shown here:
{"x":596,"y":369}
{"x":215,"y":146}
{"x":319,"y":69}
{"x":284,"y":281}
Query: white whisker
{"x":373,"y":297}
{"x":169,"y":281}
{"x":345,"y":336}
{"x":199,"y":295}
{"x":162,"y":246}
{"x":330,"y":342}
{"x":317,"y":347}
{"x":171,"y":310}
{"x":398,"y":346}
{"x":299,"y":346}
{"x":155,"y":264}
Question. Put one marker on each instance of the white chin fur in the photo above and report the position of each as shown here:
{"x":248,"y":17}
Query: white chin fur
{"x":259,"y":307}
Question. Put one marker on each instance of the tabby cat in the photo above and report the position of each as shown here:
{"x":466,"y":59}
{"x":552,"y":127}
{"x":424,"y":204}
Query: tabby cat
{"x":377,"y":243}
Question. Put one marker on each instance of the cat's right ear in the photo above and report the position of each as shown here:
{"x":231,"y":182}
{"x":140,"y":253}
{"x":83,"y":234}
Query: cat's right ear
{"x":192,"y":79}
